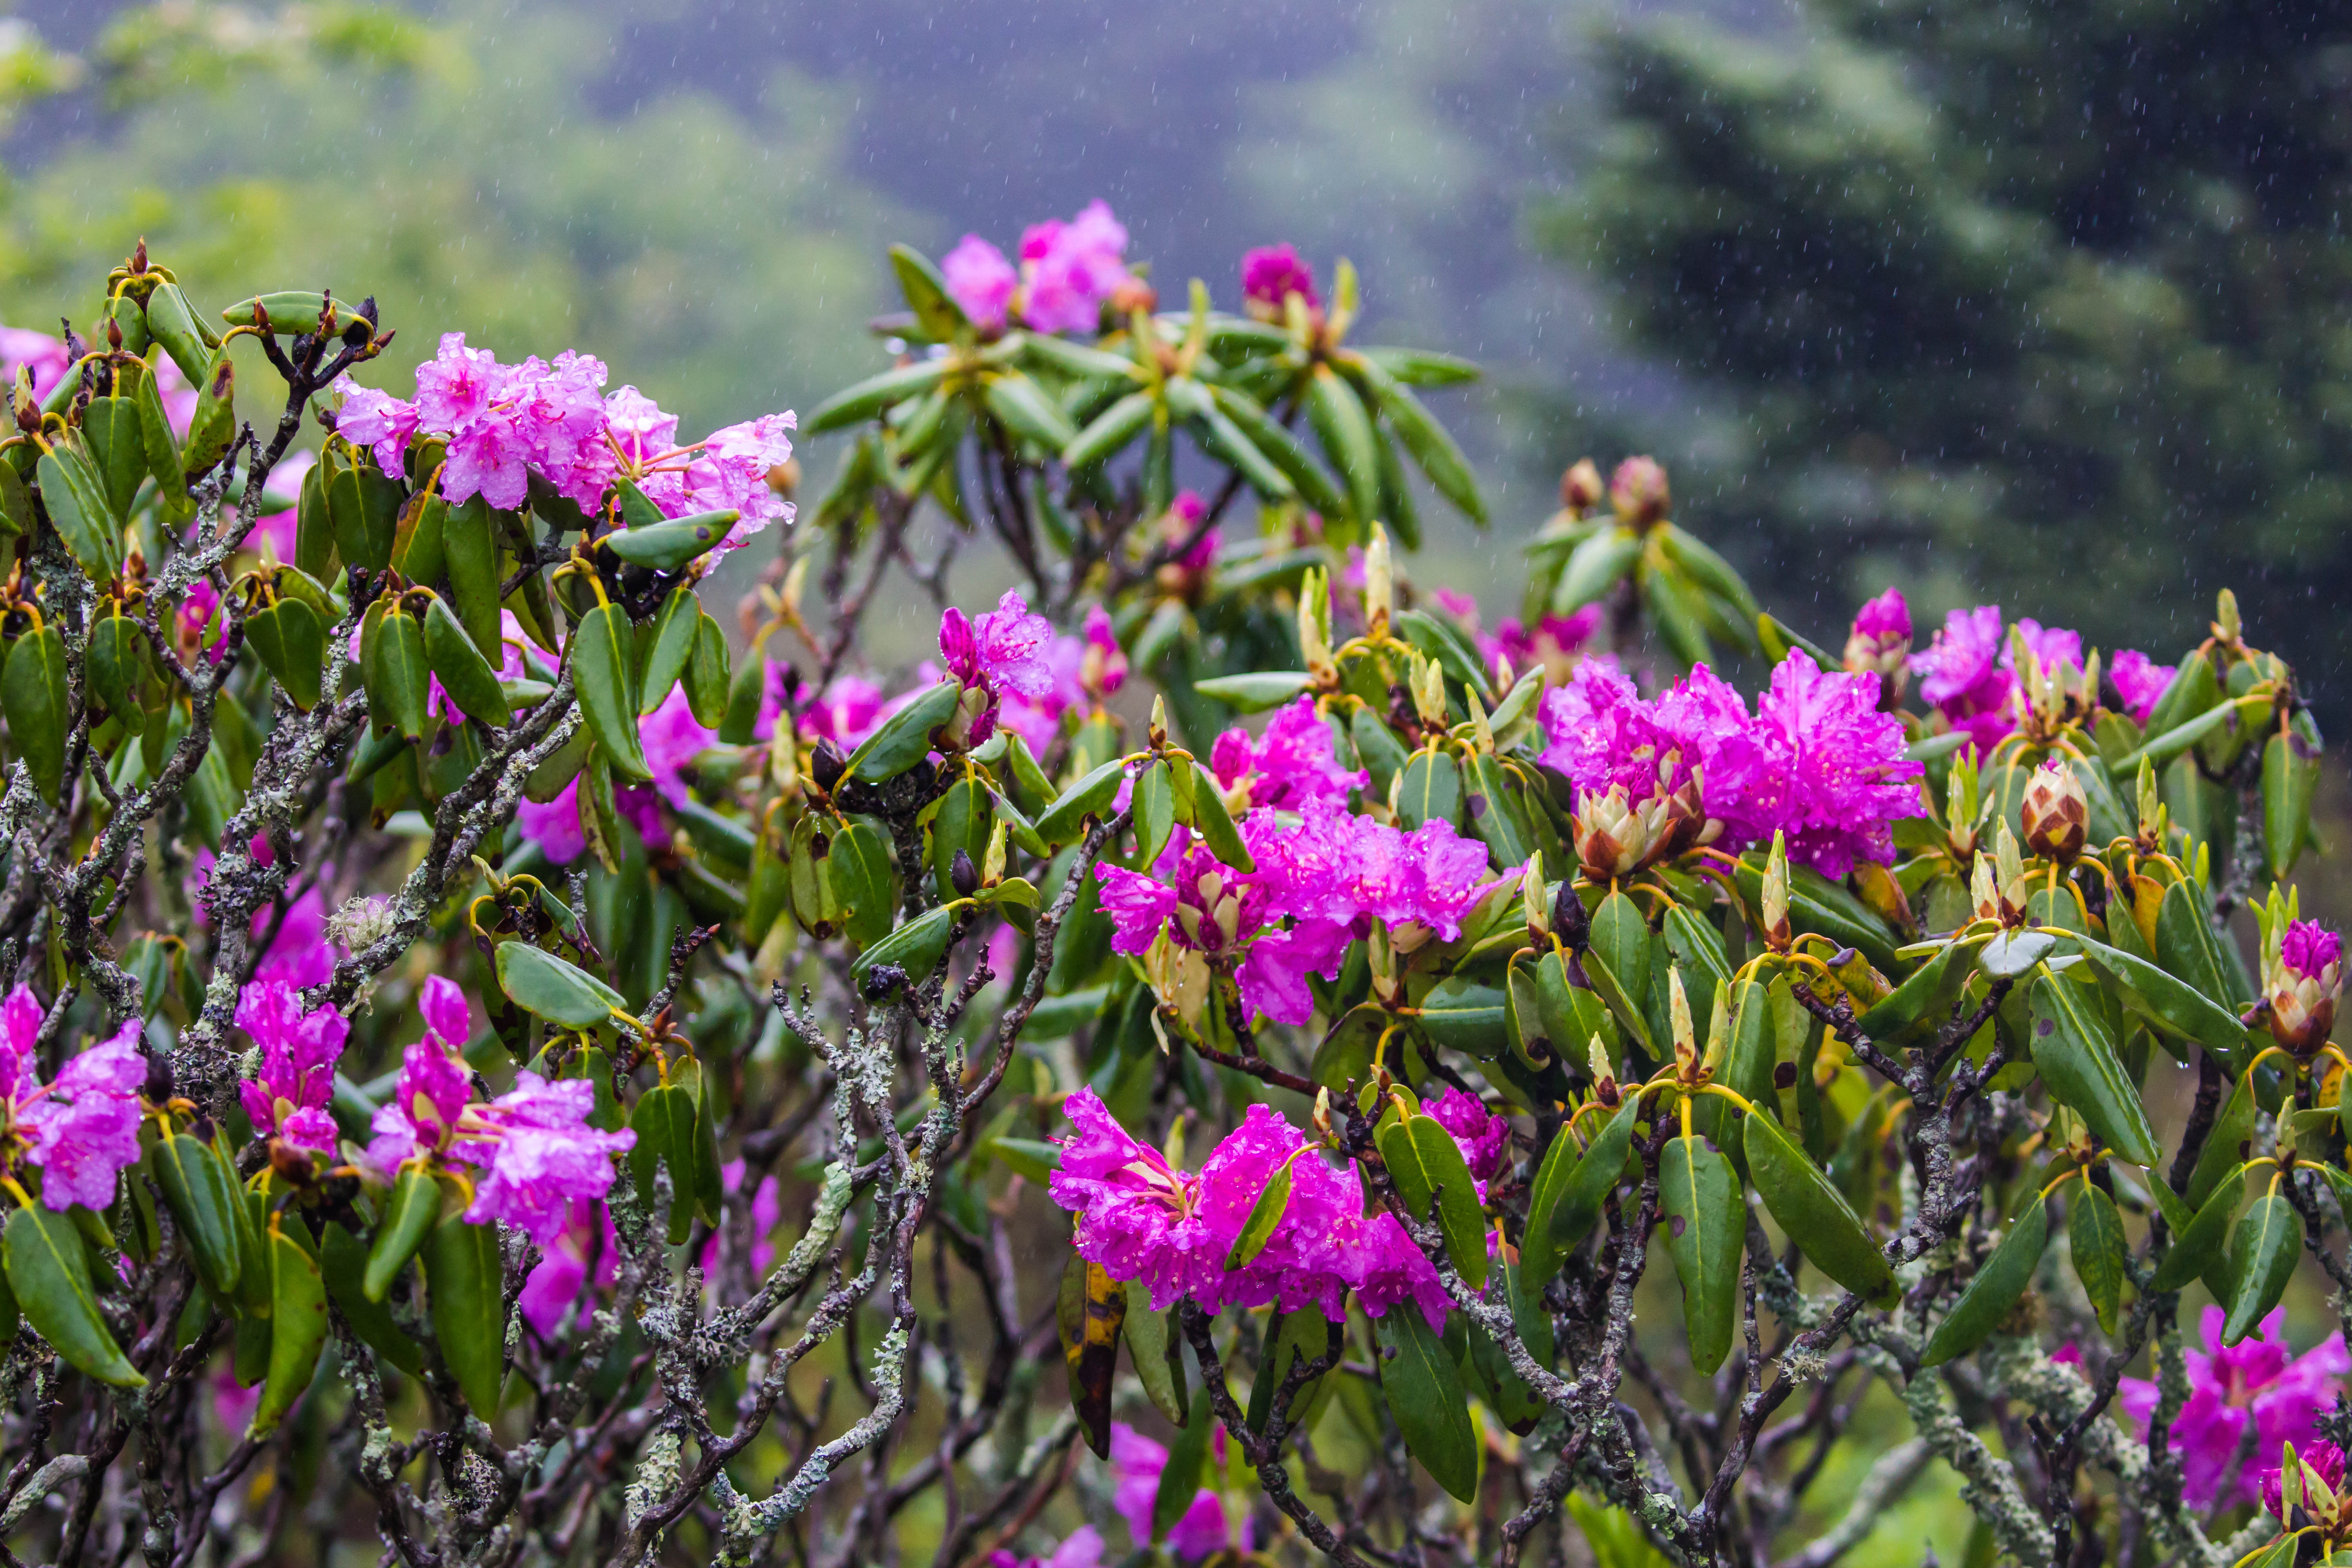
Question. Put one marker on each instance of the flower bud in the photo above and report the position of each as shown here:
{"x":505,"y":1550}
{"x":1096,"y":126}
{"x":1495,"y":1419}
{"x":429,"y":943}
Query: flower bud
{"x":1638,"y":491}
{"x":1678,"y":1015}
{"x":1314,"y":624}
{"x":1880,"y":644}
{"x":1984,"y":897}
{"x":1579,"y":487}
{"x":1380,"y":583}
{"x":1569,"y":922}
{"x":826,"y":764}
{"x":1429,"y":693}
{"x":2227,"y":626}
{"x":1604,"y":1076}
{"x":2302,"y":986}
{"x":2055,"y":814}
{"x":2009,"y":867}
{"x":1532,"y":901}
{"x":1777,"y":933}
{"x":1611,"y":837}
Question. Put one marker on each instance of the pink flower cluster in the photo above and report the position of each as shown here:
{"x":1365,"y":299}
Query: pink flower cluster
{"x":82,"y":1127}
{"x":534,"y":1153}
{"x":1967,"y":673}
{"x":1270,"y":275}
{"x":1817,"y":760}
{"x":504,"y":423}
{"x":1069,"y":270}
{"x":1289,"y":766}
{"x":299,"y":1052}
{"x":2257,"y":1382}
{"x":1320,"y":882}
{"x":1143,"y":1219}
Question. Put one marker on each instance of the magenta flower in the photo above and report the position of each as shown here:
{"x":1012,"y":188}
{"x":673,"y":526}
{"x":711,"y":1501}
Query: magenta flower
{"x":533,"y":1151}
{"x":1602,"y":736}
{"x":672,"y":737}
{"x":1964,"y":675}
{"x":2323,"y":1457}
{"x":82,"y":1127}
{"x":1102,"y":668}
{"x":1270,"y":274}
{"x":2256,"y":1381}
{"x":1880,"y":641}
{"x":2053,"y":648}
{"x":1292,"y":764}
{"x":1072,"y":268}
{"x":1837,"y":780}
{"x":767,"y":1213}
{"x":1138,"y":1462}
{"x":1184,"y":515}
{"x":1002,"y":651}
{"x":1138,"y":1215}
{"x":376,"y":421}
{"x":2139,"y":681}
{"x":586,"y":1251}
{"x":1886,"y":618}
{"x":845,"y":712}
{"x":1484,"y":1138}
{"x":2302,"y":984}
{"x":980,"y":280}
{"x":299,"y":1052}
{"x":1082,"y":1548}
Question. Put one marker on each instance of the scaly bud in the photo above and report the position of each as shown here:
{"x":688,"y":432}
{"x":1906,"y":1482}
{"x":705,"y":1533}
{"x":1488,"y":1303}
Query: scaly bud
{"x":2009,"y":866}
{"x":1479,"y":727}
{"x":991,"y":864}
{"x":1678,"y":1015}
{"x":1569,"y":919}
{"x":1612,"y":837}
{"x":1314,"y":624}
{"x":1428,"y":681}
{"x":1718,"y":1033}
{"x":1880,"y":643}
{"x":1380,"y":583}
{"x":1604,"y":1076}
{"x":2226,"y":624}
{"x":1984,"y":897}
{"x":826,"y":764}
{"x":1158,"y":729}
{"x":962,"y":875}
{"x":2150,"y":799}
{"x":1580,"y":487}
{"x":1323,"y":1116}
{"x":1380,"y":958}
{"x":1776,"y":934}
{"x":2055,"y":814}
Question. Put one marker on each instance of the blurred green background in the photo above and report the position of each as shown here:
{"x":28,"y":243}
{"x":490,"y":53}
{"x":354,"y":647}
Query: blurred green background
{"x":2046,"y":304}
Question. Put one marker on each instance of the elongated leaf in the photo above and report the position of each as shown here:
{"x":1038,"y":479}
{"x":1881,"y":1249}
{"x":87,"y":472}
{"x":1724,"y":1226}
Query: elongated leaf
{"x":1257,"y":690}
{"x":467,"y":1288}
{"x":1022,"y":406}
{"x":863,"y":400}
{"x":1595,"y":567}
{"x":673,"y":544}
{"x":75,"y":499}
{"x":1434,"y":451}
{"x":1264,"y":1217}
{"x":343,"y":1260}
{"x":2262,"y":1253}
{"x":1811,"y":1211}
{"x":1586,"y":1187}
{"x":1426,"y":1396}
{"x":603,"y":672}
{"x":1155,"y":1351}
{"x":410,"y":1211}
{"x":1427,"y":1164}
{"x":1998,"y":1286}
{"x":2074,"y":1052}
{"x":49,"y":1272}
{"x":2168,"y":1002}
{"x":2095,"y":1234}
{"x":1091,"y":1309}
{"x":547,"y":986}
{"x":470,"y":554}
{"x":862,"y":881}
{"x":204,"y":1204}
{"x":297,"y":1324}
{"x":1699,"y":1196}
{"x":914,"y":947}
{"x":34,"y":697}
{"x":905,"y":738}
{"x":1431,"y":790}
{"x":2199,"y":1244}
{"x":1346,"y":433}
{"x":465,"y":674}
{"x":1187,"y":1467}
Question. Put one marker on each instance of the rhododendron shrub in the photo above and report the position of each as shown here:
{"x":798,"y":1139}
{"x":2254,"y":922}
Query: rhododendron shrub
{"x":570,"y":1070}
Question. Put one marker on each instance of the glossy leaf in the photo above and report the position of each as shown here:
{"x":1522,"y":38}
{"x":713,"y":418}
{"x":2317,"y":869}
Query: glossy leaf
{"x":34,"y":697}
{"x":1705,"y":1218}
{"x":905,"y":738}
{"x":1155,"y":1351}
{"x":205,"y":1204}
{"x":1426,"y":1166}
{"x":2264,"y":1249}
{"x":603,"y":672}
{"x":1257,"y":1229}
{"x":1425,"y":1394}
{"x":1257,"y":690}
{"x":465,"y":674}
{"x":2095,"y":1235}
{"x":75,"y":499}
{"x":49,"y":1272}
{"x":2074,"y":1052}
{"x":915,"y":947}
{"x":1215,"y":825}
{"x":1064,"y":821}
{"x":1811,"y":1211}
{"x":1432,"y":791}
{"x":1089,"y":1313}
{"x":1999,"y":1284}
{"x":547,"y":986}
{"x":298,"y":1323}
{"x":465,"y":1286}
{"x":411,"y":1210}
{"x":343,"y":1259}
{"x":2199,"y":1244}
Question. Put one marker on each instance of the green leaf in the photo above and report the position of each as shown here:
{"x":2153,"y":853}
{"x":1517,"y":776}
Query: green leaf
{"x":1699,"y":1196}
{"x":1273,"y":1202}
{"x":862,"y":881}
{"x":2262,"y":1253}
{"x":211,"y":428}
{"x":1924,"y":997}
{"x":1283,"y":449}
{"x":672,"y":546}
{"x":470,"y":554}
{"x":399,"y":675}
{"x":1466,"y":1015}
{"x":465,"y":674}
{"x":1021,"y":405}
{"x":1586,"y":1189}
{"x":1811,"y":1210}
{"x":1432,"y":791}
{"x":298,"y":1323}
{"x":1110,"y":431}
{"x":48,"y":1271}
{"x":2198,"y":1246}
{"x":1154,"y":1348}
{"x":706,"y":674}
{"x":1427,"y":1166}
{"x":2074,"y":1052}
{"x":409,"y":1212}
{"x":914,"y":947}
{"x":172,"y":324}
{"x":603,"y":672}
{"x":292,"y":642}
{"x":465,"y":1286}
{"x":1345,"y":431}
{"x":118,"y":449}
{"x":863,"y":400}
{"x":34,"y":697}
{"x":1434,"y":451}
{"x":1594,"y":567}
{"x":1623,"y":1005}
{"x":2014,"y":953}
{"x":1998,"y":1287}
{"x":905,"y":738}
{"x":1256,"y":691}
{"x":1710,"y":570}
{"x":1064,"y":821}
{"x":546,"y":987}
{"x":2169,"y":1002}
{"x":1425,"y":1394}
{"x":205,"y":1204}
{"x":2290,"y":778}
{"x":363,"y":507}
{"x":2095,"y":1234}
{"x":75,"y":499}
{"x":1154,"y":805}
{"x":344,"y":1262}
{"x":936,"y":311}
{"x":1378,"y":748}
